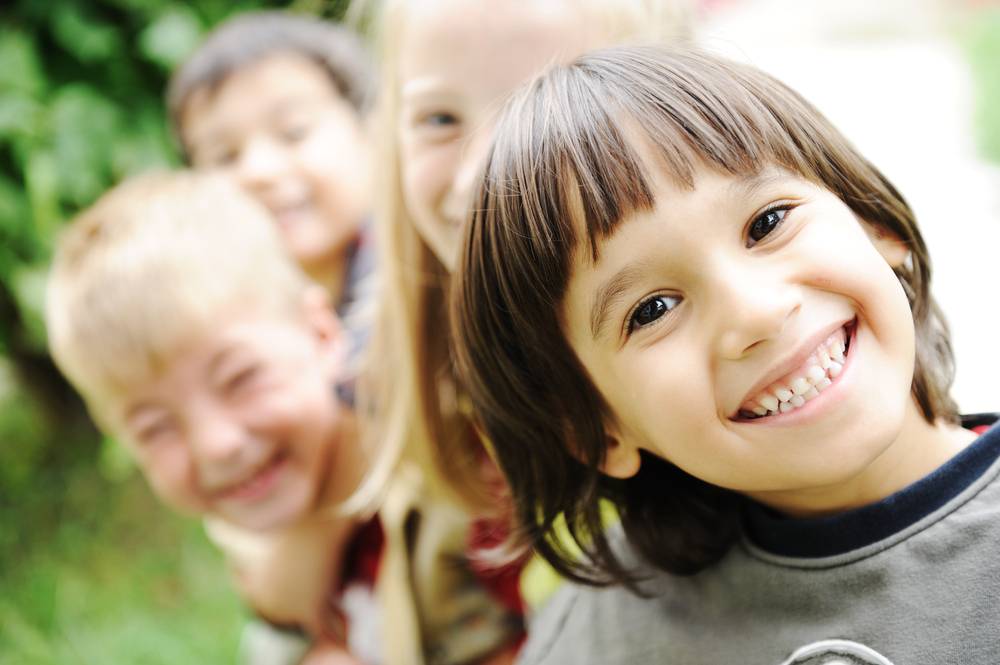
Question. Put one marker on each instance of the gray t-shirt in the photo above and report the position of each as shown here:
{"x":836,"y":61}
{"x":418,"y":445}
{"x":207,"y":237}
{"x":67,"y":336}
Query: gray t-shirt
{"x":913,"y":579}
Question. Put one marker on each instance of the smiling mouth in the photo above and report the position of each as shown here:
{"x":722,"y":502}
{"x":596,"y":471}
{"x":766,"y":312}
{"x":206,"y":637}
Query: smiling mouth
{"x":805,"y":383}
{"x":257,"y":484}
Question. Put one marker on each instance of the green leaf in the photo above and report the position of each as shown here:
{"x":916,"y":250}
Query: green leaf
{"x":85,"y":37}
{"x":28,"y":285}
{"x":171,"y":36}
{"x":21,"y":71}
{"x":85,"y":128}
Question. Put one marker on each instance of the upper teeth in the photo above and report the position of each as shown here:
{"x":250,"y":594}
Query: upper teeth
{"x":793,"y":391}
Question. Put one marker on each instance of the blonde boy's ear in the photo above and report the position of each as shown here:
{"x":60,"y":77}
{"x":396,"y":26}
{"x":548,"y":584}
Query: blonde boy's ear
{"x":889,"y":245}
{"x":621,"y":459}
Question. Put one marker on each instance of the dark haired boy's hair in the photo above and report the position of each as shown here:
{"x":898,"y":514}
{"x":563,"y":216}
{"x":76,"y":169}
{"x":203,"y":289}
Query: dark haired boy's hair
{"x":565,"y":169}
{"x":246,"y":38}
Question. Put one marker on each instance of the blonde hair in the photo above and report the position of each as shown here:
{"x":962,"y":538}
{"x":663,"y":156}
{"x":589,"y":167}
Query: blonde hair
{"x":148,"y":267}
{"x":410,"y":393}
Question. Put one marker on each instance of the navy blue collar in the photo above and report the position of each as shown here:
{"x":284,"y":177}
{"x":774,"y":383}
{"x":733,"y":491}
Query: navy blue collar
{"x":838,"y":534}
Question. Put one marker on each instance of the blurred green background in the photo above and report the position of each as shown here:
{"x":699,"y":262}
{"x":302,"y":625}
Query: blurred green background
{"x":92,"y":570}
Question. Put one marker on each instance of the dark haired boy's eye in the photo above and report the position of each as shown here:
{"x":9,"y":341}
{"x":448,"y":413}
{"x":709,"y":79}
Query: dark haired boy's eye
{"x":649,"y":311}
{"x":764,"y":224}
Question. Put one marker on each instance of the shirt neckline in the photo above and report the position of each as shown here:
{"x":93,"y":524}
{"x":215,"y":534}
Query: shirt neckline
{"x":835,"y":535}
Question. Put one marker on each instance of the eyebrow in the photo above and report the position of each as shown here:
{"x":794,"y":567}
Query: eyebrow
{"x":609,"y":294}
{"x":751,"y":184}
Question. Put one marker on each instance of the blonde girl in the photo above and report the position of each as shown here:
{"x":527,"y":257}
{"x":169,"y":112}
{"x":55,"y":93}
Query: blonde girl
{"x":446,"y":68}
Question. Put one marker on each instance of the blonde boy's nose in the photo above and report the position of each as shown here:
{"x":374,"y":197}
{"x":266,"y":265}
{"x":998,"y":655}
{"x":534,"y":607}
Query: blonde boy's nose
{"x":216,"y":438}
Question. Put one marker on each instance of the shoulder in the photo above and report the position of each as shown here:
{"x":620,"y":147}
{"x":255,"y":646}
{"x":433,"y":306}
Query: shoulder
{"x":581,"y":624}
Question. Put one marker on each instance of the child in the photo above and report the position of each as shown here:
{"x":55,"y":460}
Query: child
{"x":684,"y":292}
{"x":279,"y":102}
{"x":446,"y":68}
{"x":199,"y":344}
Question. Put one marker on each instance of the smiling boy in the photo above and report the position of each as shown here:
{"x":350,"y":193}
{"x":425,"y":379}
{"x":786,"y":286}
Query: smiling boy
{"x":278,"y":101}
{"x":199,"y":344}
{"x":684,"y":292}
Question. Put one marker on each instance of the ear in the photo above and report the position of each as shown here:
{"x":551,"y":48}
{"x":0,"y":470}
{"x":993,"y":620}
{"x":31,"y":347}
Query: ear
{"x":324,"y":324}
{"x":889,"y":245}
{"x":621,"y":459}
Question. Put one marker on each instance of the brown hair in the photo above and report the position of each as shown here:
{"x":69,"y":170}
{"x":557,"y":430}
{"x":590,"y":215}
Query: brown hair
{"x":561,"y":162}
{"x":248,"y":37}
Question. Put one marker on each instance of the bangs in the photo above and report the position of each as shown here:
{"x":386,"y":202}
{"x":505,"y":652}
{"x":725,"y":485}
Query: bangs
{"x":591,"y":132}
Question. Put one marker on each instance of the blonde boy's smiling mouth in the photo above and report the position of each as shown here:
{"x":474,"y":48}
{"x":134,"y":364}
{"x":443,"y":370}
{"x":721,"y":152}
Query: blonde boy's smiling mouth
{"x":255,"y":484}
{"x":801,"y":378}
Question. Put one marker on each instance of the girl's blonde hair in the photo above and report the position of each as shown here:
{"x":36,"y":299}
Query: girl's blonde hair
{"x":410,"y":394}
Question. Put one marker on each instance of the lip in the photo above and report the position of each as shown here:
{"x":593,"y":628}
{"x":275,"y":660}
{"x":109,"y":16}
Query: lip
{"x":829,"y":396}
{"x":256,"y":484}
{"x":806,"y":349}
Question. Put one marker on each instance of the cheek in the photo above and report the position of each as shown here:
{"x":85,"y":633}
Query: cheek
{"x":172,"y":479}
{"x":427,"y":173}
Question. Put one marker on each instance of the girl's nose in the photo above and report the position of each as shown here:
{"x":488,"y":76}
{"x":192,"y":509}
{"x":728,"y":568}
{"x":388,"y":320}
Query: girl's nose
{"x":468,"y":170}
{"x":751,"y":307}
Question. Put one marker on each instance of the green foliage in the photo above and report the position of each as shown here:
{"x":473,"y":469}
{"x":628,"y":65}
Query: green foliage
{"x":982,"y":41}
{"x":91,"y":569}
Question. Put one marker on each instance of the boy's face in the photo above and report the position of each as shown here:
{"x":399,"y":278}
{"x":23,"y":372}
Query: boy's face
{"x":458,"y":62}
{"x":282,"y":130}
{"x":730,"y":298}
{"x":243,"y":423}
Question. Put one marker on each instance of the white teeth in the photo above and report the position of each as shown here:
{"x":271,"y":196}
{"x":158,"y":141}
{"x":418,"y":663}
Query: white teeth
{"x":815,"y":374}
{"x":823,"y":384}
{"x":837,"y":352}
{"x":769,"y":402}
{"x":785,"y":407}
{"x":760,"y":410}
{"x":835,"y":369}
{"x":798,"y":400}
{"x":809,"y":395}
{"x":783,"y":394}
{"x":800,"y":386}
{"x":824,"y":359}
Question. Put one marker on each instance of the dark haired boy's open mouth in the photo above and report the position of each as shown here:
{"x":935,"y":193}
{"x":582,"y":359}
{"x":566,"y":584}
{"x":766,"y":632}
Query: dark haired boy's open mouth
{"x":804,"y":383}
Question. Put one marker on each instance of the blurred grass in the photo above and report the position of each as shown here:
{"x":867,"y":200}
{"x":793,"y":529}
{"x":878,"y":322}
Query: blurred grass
{"x":981,"y":40}
{"x":97,"y":572}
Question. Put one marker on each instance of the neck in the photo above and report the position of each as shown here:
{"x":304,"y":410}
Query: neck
{"x":331,"y":274}
{"x":919,"y":449}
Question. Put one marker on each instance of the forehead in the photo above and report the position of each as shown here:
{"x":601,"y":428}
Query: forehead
{"x":269,"y":85}
{"x":501,"y":44}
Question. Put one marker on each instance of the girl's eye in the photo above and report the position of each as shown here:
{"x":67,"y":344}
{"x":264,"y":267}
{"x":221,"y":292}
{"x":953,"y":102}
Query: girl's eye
{"x":649,"y":311}
{"x":440,"y":119}
{"x":765,"y":223}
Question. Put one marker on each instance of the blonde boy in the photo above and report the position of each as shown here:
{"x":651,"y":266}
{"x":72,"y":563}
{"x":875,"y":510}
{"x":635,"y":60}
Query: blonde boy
{"x":198,"y":343}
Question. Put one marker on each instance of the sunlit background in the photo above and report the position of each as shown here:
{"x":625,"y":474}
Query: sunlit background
{"x":91,"y":569}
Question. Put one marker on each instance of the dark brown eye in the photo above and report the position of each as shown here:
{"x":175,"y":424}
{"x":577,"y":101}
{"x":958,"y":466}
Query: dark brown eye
{"x":651,"y":310}
{"x":764,"y":224}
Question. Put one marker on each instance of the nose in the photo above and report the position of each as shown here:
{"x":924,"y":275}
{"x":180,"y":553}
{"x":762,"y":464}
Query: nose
{"x":468,"y":171}
{"x":752,"y":306}
{"x":261,"y":163}
{"x":217,"y":440}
